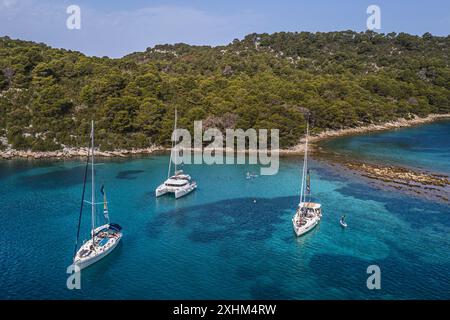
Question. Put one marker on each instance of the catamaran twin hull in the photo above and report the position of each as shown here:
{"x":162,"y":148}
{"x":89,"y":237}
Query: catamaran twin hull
{"x":177,"y":191}
{"x":94,"y":250}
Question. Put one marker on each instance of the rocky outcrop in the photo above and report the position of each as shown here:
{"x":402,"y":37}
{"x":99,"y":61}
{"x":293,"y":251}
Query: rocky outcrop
{"x":400,"y":175}
{"x":425,"y":184}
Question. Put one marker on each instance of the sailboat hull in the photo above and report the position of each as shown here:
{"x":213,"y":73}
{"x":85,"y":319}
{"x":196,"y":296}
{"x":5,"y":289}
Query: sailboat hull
{"x":87,"y":256}
{"x":307,"y":227}
{"x":94,"y":259}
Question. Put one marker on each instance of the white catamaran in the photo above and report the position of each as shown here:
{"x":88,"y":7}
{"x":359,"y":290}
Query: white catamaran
{"x":103,"y":238}
{"x":308,"y":213}
{"x":179,"y":184}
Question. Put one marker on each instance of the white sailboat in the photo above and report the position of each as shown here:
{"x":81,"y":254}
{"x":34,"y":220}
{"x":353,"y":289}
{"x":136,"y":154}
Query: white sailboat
{"x":179,"y":184}
{"x":308,"y":213}
{"x":103,"y":238}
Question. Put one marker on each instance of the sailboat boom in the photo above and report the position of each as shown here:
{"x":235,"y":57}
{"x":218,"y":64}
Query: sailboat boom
{"x":97,"y":203}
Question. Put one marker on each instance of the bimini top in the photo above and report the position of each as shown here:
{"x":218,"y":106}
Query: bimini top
{"x":115,"y":226}
{"x":310,"y":205}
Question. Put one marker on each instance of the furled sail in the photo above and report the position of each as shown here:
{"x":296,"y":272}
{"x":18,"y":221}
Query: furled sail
{"x":308,"y":183}
{"x":82,"y":200}
{"x":105,"y":203}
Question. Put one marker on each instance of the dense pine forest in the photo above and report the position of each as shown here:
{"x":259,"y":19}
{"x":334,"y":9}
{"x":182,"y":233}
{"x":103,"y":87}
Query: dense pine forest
{"x":339,"y":79}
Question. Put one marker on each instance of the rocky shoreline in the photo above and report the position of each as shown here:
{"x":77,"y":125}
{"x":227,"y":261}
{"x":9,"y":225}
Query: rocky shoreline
{"x":392,"y":125}
{"x":69,"y":152}
{"x":432,"y":185}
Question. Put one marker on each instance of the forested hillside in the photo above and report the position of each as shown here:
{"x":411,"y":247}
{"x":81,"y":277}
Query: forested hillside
{"x":342,"y":79}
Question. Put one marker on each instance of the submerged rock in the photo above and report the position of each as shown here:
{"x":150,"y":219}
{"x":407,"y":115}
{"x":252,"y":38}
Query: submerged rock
{"x":426,"y":184}
{"x":399,"y":174}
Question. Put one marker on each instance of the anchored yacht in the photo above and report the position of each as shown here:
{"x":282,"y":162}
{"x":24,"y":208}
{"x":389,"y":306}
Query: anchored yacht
{"x":308,"y":216}
{"x":180,"y":184}
{"x":103,"y":238}
{"x":308,"y":213}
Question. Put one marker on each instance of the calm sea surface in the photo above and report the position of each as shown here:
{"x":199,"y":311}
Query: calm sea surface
{"x":232,"y":238}
{"x":425,"y":147}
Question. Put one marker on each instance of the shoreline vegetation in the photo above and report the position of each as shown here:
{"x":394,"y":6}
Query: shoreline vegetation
{"x":337,"y":80}
{"x":72,"y":152}
{"x":340,"y":81}
{"x":415,"y":181}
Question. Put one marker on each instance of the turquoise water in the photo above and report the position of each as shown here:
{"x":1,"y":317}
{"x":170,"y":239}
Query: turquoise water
{"x":425,"y":147}
{"x":218,"y":243}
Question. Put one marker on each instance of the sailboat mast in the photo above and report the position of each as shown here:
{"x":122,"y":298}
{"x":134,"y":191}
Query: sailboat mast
{"x":305,"y":173}
{"x":82,"y":199}
{"x":93,"y":181}
{"x":305,"y":164}
{"x":176,"y":138}
{"x":171,"y":150}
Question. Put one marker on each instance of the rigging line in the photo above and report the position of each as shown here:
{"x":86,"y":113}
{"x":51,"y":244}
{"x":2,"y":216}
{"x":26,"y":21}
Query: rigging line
{"x":82,"y":199}
{"x":172,"y":145}
{"x":176,"y":140}
{"x":305,"y":157}
{"x":306,"y":163}
{"x":93,"y":212}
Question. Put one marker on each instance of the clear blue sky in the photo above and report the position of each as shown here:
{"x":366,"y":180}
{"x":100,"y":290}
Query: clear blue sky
{"x":116,"y":28}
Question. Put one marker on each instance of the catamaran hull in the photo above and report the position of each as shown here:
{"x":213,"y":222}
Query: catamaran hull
{"x":183,"y":192}
{"x":178,"y":193}
{"x":299,"y":231}
{"x":160,"y":192}
{"x":87,"y":262}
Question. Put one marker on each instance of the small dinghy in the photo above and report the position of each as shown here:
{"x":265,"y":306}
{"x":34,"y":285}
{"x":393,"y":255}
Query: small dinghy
{"x":342,"y":222}
{"x":251,"y":176}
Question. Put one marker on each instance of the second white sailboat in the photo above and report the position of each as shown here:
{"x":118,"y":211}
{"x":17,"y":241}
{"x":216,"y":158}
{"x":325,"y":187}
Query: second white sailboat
{"x":180,"y":184}
{"x":308,"y":213}
{"x":103,"y":238}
